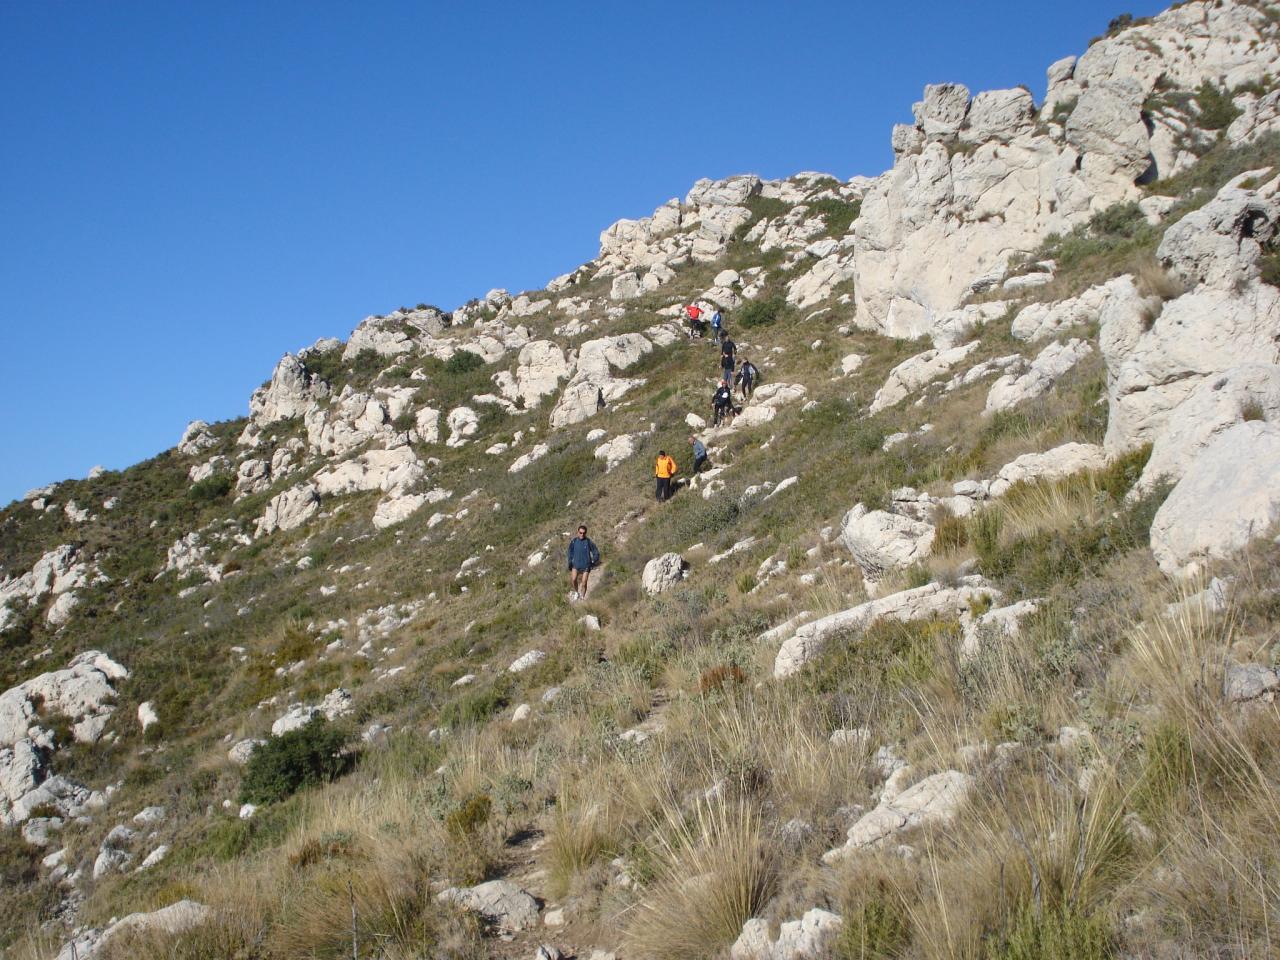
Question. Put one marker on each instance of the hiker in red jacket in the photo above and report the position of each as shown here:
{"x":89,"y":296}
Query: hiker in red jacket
{"x":694,"y":312}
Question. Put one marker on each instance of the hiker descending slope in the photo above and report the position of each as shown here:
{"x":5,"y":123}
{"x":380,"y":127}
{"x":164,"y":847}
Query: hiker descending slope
{"x":694,"y":313}
{"x":583,"y":558}
{"x":746,"y":378}
{"x":664,"y":468}
{"x":699,"y":453}
{"x":721,"y":402}
{"x":727,"y":350}
{"x":717,"y":326}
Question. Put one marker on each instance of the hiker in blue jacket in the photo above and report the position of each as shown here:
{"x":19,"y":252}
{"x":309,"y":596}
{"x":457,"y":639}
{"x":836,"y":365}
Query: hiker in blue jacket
{"x":584,"y":557}
{"x":699,"y":453}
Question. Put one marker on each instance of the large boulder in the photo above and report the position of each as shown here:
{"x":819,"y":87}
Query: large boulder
{"x":396,"y":469}
{"x":881,"y":542}
{"x":500,"y":902}
{"x":290,"y":392}
{"x":596,"y":362}
{"x":662,"y":573}
{"x":1228,"y":495}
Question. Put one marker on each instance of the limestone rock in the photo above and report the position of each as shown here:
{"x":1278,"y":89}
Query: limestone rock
{"x":463,"y":424}
{"x":196,"y":439}
{"x":1217,"y":403}
{"x":1045,"y":370}
{"x":594,"y":374}
{"x":394,"y":470}
{"x":290,"y":509}
{"x":934,"y":800}
{"x":290,"y":392}
{"x":943,"y":110}
{"x":812,"y":937}
{"x":527,"y":661}
{"x":881,"y":541}
{"x":538,"y":451}
{"x":499,"y":901}
{"x":1062,"y":461}
{"x":820,"y":281}
{"x":1229,"y":494}
{"x":1037,"y":321}
{"x":808,"y":640}
{"x":613,"y":452}
{"x":914,"y":372}
{"x":662,"y":573}
{"x":540,"y":366}
{"x":242,"y":751}
{"x":1246,"y":682}
{"x":999,"y":115}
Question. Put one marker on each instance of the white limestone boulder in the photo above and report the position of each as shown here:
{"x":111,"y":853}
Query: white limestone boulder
{"x":881,"y":542}
{"x":915,"y":372}
{"x":935,"y":800}
{"x":290,"y":509}
{"x":1228,"y":495}
{"x":1061,"y":461}
{"x":663,"y":573}
{"x":1052,"y":363}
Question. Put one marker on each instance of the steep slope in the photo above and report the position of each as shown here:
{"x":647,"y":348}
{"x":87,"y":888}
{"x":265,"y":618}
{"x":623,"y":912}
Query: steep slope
{"x":906,"y":683}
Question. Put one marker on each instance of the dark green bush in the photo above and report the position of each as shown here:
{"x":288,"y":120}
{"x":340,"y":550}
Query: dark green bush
{"x":300,"y":758}
{"x":464,"y":361}
{"x":838,"y":214}
{"x":212,"y":488}
{"x":760,"y":313}
{"x":1216,"y":111}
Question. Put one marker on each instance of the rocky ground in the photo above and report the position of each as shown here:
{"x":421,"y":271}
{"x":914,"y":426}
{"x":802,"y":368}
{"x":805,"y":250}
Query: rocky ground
{"x":962,"y":646}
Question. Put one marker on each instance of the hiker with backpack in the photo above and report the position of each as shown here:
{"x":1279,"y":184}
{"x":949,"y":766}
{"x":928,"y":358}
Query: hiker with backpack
{"x":584,"y":557}
{"x":721,"y":402}
{"x":664,"y":468}
{"x":699,"y":453}
{"x":746,"y":379}
{"x":694,"y":313}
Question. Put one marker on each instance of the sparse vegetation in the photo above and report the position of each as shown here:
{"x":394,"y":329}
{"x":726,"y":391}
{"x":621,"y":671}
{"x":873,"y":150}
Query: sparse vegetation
{"x":311,"y":755}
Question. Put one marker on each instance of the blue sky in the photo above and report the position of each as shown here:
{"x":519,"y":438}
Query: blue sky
{"x":188,"y":190}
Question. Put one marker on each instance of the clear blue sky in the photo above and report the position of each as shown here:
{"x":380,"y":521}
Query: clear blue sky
{"x":188,"y":190}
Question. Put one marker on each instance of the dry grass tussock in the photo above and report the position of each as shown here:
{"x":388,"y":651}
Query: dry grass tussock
{"x":716,"y":869}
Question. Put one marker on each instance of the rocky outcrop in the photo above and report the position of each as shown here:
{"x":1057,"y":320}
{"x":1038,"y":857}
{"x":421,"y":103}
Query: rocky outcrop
{"x":290,"y":392}
{"x":1038,"y":321}
{"x":1062,"y":461}
{"x":943,"y":218}
{"x":1157,"y":357}
{"x":356,"y":418}
{"x":1228,"y":495}
{"x":403,"y":331}
{"x":336,"y":704}
{"x":540,"y":367}
{"x":593,"y":376}
{"x":613,"y":452}
{"x":57,"y":574}
{"x":290,"y":509}
{"x":84,"y":692}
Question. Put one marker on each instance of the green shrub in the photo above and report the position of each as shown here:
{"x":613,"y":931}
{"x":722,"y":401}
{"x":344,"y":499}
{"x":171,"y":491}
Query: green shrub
{"x":285,"y":764}
{"x":1059,"y":934}
{"x":1216,"y":111}
{"x":477,"y":706}
{"x":464,"y":361}
{"x":469,"y":816}
{"x":838,"y":214}
{"x":212,"y":488}
{"x":760,"y":313}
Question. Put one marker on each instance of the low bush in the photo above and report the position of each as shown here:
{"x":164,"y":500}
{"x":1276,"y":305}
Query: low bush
{"x":212,"y":488}
{"x":760,"y":313}
{"x":300,"y":758}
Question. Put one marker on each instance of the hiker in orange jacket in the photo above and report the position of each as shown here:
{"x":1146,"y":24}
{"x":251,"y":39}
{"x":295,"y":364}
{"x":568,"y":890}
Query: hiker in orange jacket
{"x":664,"y":468}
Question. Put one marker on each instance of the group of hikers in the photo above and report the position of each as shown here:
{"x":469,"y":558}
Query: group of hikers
{"x":584,"y":556}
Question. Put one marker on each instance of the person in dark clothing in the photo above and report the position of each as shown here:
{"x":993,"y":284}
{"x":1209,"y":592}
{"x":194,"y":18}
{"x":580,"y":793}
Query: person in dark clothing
{"x":727,"y":350}
{"x":699,"y":453}
{"x":599,"y":399}
{"x":746,"y":378}
{"x":583,"y":558}
{"x":721,"y":402}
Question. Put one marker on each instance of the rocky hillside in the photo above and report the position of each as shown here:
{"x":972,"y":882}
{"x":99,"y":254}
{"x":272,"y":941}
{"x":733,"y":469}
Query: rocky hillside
{"x":963,"y":645}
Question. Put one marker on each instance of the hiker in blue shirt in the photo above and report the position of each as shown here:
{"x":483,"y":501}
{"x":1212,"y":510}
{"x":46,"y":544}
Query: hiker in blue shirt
{"x":583,"y":558}
{"x":717,"y":326}
{"x":699,"y":453}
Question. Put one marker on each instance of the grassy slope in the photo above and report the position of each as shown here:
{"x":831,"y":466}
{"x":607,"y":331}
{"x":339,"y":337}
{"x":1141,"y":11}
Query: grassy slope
{"x":688,"y":663}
